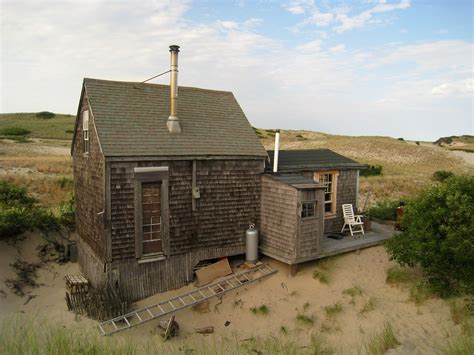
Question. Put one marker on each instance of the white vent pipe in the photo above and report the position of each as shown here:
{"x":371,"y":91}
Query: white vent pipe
{"x":275,"y":152}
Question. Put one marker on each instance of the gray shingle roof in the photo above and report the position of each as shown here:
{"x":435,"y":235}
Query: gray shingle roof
{"x":298,"y":181}
{"x":309,"y":159}
{"x":131,"y":121}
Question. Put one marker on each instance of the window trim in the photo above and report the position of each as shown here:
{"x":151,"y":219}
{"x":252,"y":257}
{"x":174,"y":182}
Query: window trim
{"x":151,"y":174}
{"x":335,"y":174}
{"x":315,"y":204}
{"x":85,"y":132}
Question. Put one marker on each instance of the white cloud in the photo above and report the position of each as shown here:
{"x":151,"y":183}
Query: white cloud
{"x":462,"y":87}
{"x":46,"y":53}
{"x":340,"y":48}
{"x":339,"y":16}
{"x":298,"y":7}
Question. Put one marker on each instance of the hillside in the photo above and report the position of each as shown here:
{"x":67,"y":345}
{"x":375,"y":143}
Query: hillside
{"x":462,"y":143}
{"x":407,"y":166}
{"x":59,"y":127}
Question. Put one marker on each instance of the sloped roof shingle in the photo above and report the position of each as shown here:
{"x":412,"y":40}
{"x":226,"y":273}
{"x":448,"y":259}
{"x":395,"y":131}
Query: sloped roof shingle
{"x":131,"y":121}
{"x":308,"y":159}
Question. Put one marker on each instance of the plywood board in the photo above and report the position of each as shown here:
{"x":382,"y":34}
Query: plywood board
{"x":210,"y":273}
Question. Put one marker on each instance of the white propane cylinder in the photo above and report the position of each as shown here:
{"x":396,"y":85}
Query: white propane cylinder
{"x":251,"y":242}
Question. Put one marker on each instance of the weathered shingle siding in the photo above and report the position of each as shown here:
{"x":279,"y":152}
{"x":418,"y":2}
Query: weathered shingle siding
{"x":230,"y":201}
{"x":89,"y":187}
{"x":346,"y":193}
{"x":279,"y":220}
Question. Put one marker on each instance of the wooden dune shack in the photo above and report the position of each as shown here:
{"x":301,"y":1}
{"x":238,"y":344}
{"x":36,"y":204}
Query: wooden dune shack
{"x":157,"y":191}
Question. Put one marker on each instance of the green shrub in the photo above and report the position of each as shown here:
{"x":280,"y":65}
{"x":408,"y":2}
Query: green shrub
{"x":13,"y":220}
{"x":442,"y":175}
{"x":72,"y":131}
{"x":14,"y":131}
{"x":13,"y":195}
{"x":417,"y":143}
{"x":67,"y":213}
{"x":45,"y":115}
{"x":384,"y":209}
{"x":438,"y":235}
{"x":401,"y":139}
{"x":372,"y":170}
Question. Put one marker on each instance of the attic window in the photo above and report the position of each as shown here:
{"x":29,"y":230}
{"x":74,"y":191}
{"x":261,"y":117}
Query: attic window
{"x":85,"y":130}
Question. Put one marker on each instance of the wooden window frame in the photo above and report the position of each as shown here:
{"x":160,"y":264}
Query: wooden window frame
{"x":335,"y":176}
{"x":159,"y":175}
{"x":315,"y":215}
{"x":85,"y":132}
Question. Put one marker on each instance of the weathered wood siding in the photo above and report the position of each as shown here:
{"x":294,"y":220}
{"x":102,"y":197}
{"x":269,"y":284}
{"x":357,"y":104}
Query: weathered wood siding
{"x":137,"y":281}
{"x":89,"y":187}
{"x":310,"y":230}
{"x":346,"y":193}
{"x":229,"y":202}
{"x":279,"y":219}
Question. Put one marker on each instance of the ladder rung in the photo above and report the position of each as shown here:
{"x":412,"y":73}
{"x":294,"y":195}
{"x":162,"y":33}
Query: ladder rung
{"x":101,"y":329}
{"x":222,"y":288}
{"x":210,"y":289}
{"x":151,"y":314}
{"x":191,"y":296}
{"x":115,"y":325}
{"x":182,"y":301}
{"x":138,"y":317}
{"x":126,"y":321}
{"x":202,"y":294}
{"x":171,"y":303}
{"x":161,"y":309}
{"x":235,"y":278}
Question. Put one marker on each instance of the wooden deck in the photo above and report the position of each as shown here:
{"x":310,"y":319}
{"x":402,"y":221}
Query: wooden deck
{"x":378,"y":234}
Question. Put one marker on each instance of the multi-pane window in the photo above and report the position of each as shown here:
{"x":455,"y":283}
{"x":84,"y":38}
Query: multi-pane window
{"x":85,"y":130}
{"x":328,"y":179}
{"x":151,"y":218}
{"x":308,"y":209}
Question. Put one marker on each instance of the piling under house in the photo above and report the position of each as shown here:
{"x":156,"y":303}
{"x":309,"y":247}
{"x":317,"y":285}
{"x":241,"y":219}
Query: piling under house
{"x":160,"y":186}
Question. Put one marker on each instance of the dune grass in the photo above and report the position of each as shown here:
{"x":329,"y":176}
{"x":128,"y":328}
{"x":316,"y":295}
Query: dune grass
{"x":369,"y":305}
{"x":324,"y":270}
{"x":261,"y":310}
{"x":333,"y":310}
{"x":379,"y":342}
{"x":23,"y":335}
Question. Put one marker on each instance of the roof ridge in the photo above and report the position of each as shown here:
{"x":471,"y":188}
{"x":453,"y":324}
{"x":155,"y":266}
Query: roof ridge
{"x":152,"y":84}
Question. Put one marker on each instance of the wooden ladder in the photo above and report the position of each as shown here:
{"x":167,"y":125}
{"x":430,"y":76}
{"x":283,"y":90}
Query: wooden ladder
{"x":185,"y":300}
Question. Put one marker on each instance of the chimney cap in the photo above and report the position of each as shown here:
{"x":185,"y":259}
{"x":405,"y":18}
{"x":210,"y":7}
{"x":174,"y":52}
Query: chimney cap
{"x":277,"y":131}
{"x":174,"y":48}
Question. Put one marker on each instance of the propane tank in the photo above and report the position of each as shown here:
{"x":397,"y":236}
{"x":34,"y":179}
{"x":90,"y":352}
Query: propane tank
{"x":251,"y":242}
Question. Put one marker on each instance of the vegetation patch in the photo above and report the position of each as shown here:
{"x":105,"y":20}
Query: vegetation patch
{"x":385,"y":209}
{"x":45,"y":115}
{"x":51,"y":128}
{"x":371,"y":170}
{"x":369,"y":305}
{"x":324,"y":269}
{"x":14,"y":131}
{"x":305,"y":319}
{"x":262,"y":310}
{"x":379,"y":343}
{"x":441,"y":175}
{"x":333,"y":310}
{"x":438,"y":235}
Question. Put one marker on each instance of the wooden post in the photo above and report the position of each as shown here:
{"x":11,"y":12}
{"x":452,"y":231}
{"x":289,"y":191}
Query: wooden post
{"x":293,"y":269}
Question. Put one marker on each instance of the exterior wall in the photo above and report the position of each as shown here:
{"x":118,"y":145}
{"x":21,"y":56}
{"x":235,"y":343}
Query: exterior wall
{"x":279,"y":220}
{"x":137,"y":281}
{"x":346,"y":193}
{"x":310,"y":230}
{"x":229,"y":201}
{"x":89,"y":188}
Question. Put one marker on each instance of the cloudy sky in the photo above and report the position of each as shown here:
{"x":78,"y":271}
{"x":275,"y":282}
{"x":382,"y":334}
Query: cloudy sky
{"x":399,"y":68}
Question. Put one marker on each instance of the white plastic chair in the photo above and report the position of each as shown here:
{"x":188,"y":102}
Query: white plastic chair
{"x":351,"y":220}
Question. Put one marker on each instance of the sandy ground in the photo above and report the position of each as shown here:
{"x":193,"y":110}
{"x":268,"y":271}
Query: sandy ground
{"x":420,"y":329}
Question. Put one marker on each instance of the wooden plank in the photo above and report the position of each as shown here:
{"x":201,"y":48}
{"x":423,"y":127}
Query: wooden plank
{"x":210,"y":273}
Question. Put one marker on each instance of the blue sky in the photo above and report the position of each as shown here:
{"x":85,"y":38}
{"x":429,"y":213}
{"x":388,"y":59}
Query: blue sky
{"x":398,"y":68}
